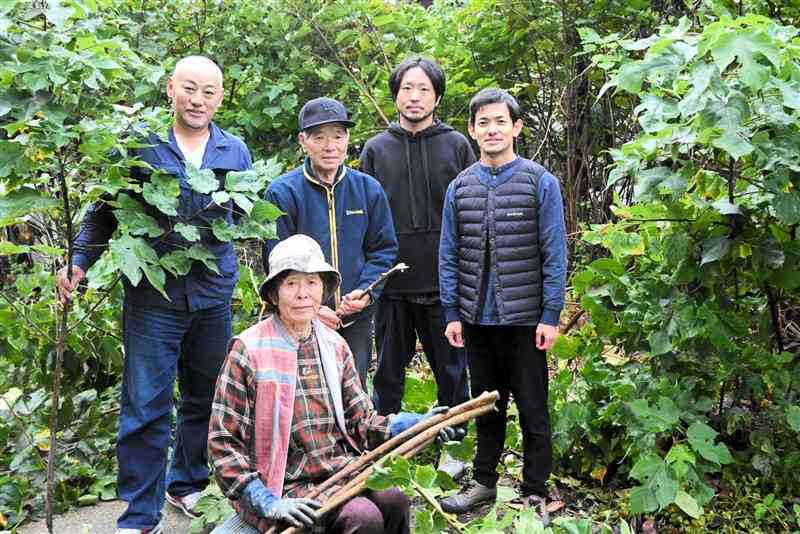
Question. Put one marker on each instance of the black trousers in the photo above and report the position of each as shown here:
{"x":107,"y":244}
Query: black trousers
{"x":397,"y":325}
{"x":505,"y":358}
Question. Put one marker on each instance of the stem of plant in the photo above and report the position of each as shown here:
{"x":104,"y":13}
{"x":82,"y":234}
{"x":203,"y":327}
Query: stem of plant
{"x":63,"y":331}
{"x":425,"y":494}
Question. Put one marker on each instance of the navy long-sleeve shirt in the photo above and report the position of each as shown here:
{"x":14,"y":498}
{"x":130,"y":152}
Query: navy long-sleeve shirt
{"x":200,"y":288}
{"x":552,"y":246}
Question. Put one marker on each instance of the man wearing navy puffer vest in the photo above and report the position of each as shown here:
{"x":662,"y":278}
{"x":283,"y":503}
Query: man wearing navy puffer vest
{"x":502,"y":269}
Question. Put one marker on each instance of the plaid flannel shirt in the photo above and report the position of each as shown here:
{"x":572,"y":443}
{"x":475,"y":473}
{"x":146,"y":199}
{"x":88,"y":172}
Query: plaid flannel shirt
{"x":317,"y":447}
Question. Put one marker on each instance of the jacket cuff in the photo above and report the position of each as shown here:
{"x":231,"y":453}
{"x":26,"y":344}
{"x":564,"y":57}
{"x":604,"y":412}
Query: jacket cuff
{"x":550,"y":317}
{"x":451,"y":314}
{"x":82,"y":261}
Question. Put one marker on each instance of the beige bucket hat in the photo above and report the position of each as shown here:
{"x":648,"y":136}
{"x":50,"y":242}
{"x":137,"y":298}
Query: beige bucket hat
{"x":299,"y":253}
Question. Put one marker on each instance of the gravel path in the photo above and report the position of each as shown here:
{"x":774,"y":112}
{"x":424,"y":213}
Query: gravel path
{"x":102,"y":519}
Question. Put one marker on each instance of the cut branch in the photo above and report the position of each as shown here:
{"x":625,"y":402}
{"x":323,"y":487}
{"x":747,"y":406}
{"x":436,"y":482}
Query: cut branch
{"x":410,"y":447}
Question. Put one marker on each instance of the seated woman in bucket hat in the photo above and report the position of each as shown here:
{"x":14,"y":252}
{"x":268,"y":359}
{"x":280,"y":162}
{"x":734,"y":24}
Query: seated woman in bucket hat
{"x":289,"y":410}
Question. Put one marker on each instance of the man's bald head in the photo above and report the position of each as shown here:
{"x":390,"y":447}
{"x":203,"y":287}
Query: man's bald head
{"x":197,"y":63}
{"x":195,"y":89}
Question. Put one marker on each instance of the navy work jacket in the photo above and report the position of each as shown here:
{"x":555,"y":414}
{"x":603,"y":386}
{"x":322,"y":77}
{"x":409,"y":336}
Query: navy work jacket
{"x":200,"y":288}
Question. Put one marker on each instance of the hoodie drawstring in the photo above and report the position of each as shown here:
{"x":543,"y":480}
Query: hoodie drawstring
{"x":426,"y":173}
{"x":414,"y":223}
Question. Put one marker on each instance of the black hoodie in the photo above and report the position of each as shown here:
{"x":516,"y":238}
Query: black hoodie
{"x":415,"y":170}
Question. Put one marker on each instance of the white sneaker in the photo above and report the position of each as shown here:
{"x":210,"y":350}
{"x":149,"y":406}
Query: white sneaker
{"x":158,"y":529}
{"x":451,"y":466}
{"x":185,"y":503}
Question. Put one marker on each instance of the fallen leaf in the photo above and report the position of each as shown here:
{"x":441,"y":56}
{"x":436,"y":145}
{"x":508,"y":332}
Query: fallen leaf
{"x":3,"y":521}
{"x":554,"y":506}
{"x":599,"y":473}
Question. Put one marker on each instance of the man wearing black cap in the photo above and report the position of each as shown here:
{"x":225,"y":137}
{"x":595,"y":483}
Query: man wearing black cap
{"x":346,"y":212}
{"x":414,"y":160}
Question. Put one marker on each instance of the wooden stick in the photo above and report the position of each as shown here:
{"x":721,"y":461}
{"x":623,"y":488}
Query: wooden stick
{"x":368,"y":458}
{"x":407,"y":449}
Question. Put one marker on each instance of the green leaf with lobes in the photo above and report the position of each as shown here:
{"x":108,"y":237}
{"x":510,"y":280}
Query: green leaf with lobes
{"x":162,"y":192}
{"x":139,"y":223}
{"x":222,"y":230}
{"x":244,"y":181}
{"x":201,"y":180}
{"x":188,"y":232}
{"x":701,"y":437}
{"x":135,"y":257}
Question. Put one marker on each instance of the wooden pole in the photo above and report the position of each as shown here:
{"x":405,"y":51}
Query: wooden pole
{"x":407,"y":449}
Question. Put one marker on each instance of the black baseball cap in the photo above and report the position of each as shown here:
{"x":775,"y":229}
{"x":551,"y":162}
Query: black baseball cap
{"x":323,"y":110}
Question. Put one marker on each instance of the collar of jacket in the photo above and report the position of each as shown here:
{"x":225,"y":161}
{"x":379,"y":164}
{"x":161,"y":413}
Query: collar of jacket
{"x":308,"y":172}
{"x":217,"y":140}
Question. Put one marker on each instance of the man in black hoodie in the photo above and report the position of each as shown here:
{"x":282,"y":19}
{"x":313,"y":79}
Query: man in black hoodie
{"x":415,"y":160}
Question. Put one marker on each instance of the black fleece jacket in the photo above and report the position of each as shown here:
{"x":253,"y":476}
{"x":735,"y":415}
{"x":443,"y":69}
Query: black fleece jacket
{"x":415,"y":170}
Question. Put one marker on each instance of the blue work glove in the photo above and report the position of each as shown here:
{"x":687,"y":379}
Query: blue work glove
{"x":260,"y":501}
{"x":405,"y":420}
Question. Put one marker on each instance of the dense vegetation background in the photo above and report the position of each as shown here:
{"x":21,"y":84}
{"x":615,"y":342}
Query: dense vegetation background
{"x":673,"y":126}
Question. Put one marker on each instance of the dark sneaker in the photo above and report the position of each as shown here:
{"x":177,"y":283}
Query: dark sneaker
{"x":158,"y":529}
{"x":451,"y":466}
{"x":185,"y":503}
{"x":468,"y":498}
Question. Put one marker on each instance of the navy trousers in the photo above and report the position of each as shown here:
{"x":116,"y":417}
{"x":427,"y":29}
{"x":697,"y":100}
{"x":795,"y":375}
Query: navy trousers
{"x":397,"y":325}
{"x":160,"y":345}
{"x":505,"y":358}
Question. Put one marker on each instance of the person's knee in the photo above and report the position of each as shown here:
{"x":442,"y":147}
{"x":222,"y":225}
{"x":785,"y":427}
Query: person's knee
{"x":395,"y":507}
{"x":361,"y":515}
{"x":391,"y":498}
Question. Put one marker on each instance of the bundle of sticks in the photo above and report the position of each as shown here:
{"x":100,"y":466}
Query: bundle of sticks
{"x":405,"y":444}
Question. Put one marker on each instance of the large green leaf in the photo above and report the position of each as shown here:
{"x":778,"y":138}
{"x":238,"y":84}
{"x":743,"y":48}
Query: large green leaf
{"x":662,"y":417}
{"x":201,"y":180}
{"x":715,"y":248}
{"x":793,"y":418}
{"x":688,"y":504}
{"x":643,"y":500}
{"x":701,"y":437}
{"x":11,"y":249}
{"x":139,"y":223}
{"x":10,"y":154}
{"x":203,"y":255}
{"x":665,"y":485}
{"x":647,"y":466}
{"x":134,"y":257}
{"x":751,"y":47}
{"x":188,"y":231}
{"x":244,"y":181}
{"x":162,"y":192}
{"x":176,"y":262}
{"x":650,"y":181}
{"x":787,"y":207}
{"x":631,"y":76}
{"x":24,"y":202}
{"x":222,"y":230}
{"x":264,"y":211}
